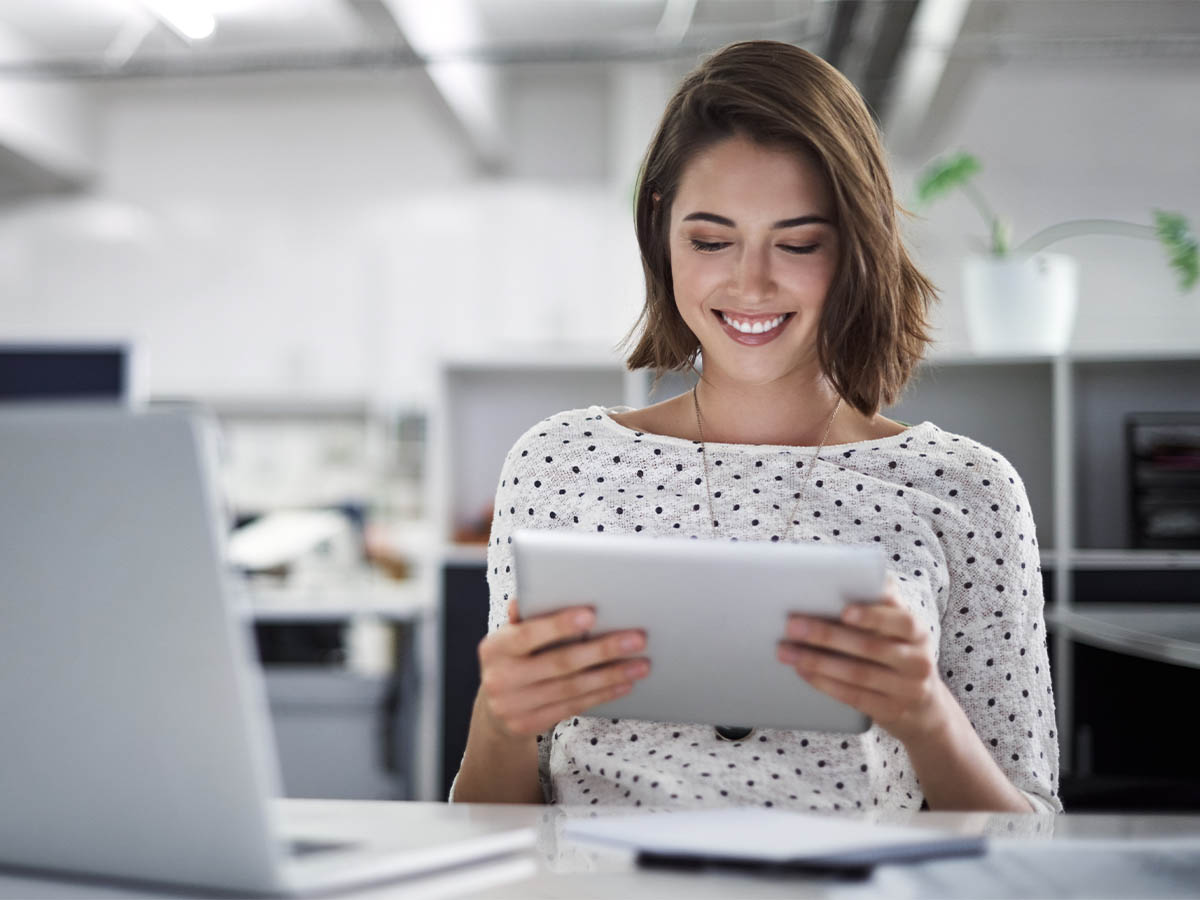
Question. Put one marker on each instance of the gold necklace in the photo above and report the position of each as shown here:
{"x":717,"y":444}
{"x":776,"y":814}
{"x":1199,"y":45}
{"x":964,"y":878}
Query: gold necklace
{"x":790,"y":520}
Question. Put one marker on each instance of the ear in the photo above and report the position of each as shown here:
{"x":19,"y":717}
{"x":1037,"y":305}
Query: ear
{"x":656,"y":198}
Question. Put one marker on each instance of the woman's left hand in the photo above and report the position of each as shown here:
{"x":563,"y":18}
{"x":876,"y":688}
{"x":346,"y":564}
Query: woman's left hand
{"x":878,"y":659}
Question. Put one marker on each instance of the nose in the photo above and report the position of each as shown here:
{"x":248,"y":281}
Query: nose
{"x":753,"y":282}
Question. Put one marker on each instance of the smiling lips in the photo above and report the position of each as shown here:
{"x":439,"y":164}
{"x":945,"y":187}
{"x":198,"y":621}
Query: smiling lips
{"x":753,"y":329}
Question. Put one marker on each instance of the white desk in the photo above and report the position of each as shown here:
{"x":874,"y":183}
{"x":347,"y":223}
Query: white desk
{"x":1029,"y":856}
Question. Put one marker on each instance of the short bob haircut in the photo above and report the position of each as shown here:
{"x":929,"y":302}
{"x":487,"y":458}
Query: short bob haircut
{"x":873,"y":327}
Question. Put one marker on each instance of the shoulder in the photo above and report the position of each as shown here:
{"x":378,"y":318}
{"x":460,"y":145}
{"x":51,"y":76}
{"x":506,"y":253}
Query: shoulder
{"x":561,"y":429}
{"x":565,"y":435}
{"x":939,"y":457}
{"x":977,"y":500}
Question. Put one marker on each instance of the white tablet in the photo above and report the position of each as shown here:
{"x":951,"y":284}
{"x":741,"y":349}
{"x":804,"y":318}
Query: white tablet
{"x":714,"y":612}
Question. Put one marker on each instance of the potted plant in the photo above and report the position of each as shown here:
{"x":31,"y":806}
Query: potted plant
{"x":1020,"y":300}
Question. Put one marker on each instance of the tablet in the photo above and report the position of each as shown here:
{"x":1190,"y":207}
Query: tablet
{"x":713,"y":612}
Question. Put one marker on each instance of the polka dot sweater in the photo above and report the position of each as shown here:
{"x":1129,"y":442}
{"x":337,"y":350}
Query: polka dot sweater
{"x":954,"y":521}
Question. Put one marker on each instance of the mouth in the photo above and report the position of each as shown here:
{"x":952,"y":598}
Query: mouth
{"x":753,"y":330}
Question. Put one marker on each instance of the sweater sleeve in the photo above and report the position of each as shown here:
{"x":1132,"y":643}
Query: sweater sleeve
{"x":993,"y":653}
{"x":509,"y":503}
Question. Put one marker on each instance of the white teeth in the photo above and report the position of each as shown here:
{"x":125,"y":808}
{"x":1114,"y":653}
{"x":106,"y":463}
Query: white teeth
{"x":756,"y":327}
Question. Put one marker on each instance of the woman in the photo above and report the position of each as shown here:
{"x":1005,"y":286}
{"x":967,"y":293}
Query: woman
{"x":768,"y":234}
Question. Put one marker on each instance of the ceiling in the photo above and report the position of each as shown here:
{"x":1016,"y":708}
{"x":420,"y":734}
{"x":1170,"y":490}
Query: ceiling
{"x":909,"y":58}
{"x":866,"y":39}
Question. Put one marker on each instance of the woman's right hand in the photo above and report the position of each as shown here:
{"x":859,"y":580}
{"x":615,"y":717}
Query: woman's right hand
{"x":524,"y":692}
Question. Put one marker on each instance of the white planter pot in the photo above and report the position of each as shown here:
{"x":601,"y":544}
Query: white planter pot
{"x":1020,"y":305}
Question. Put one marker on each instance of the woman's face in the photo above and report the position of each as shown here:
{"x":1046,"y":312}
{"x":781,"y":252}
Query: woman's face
{"x":753,"y":242}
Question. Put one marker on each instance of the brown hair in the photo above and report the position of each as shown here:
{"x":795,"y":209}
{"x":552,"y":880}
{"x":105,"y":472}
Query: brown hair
{"x":872,"y":331}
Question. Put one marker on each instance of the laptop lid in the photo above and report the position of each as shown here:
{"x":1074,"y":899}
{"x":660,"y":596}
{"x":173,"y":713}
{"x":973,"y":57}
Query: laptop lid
{"x":135,"y":740}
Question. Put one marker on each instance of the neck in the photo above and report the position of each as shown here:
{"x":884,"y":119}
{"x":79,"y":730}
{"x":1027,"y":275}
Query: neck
{"x":791,"y":412}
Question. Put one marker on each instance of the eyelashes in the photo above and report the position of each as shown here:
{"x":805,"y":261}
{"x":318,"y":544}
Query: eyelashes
{"x":713,"y":247}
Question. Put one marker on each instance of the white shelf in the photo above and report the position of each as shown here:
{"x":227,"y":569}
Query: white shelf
{"x":371,"y":595}
{"x":959,"y":356}
{"x":1135,"y":559}
{"x":515,"y":357}
{"x":459,"y":554}
{"x":967,"y":358}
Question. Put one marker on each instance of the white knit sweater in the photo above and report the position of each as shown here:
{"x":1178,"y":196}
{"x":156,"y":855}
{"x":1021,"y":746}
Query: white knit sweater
{"x":954,"y":520}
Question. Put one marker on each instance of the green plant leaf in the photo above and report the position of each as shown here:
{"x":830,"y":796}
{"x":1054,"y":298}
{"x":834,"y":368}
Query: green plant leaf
{"x":1183,"y":251}
{"x":944,"y":175}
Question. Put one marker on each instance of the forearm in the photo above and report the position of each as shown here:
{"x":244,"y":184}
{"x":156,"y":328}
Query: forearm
{"x":955,"y":769}
{"x":497,"y":768}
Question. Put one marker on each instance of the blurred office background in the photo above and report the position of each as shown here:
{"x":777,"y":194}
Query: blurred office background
{"x":378,"y":239}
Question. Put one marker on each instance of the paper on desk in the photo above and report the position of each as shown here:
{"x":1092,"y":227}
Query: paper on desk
{"x":768,"y":835}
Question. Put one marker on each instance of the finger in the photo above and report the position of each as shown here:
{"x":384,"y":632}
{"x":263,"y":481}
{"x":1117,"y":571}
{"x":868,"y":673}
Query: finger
{"x":907,"y":662}
{"x":566,"y":661}
{"x":514,"y":616}
{"x":850,"y":641}
{"x":865,"y":700}
{"x":557,"y":690}
{"x":888,"y":617}
{"x":530,"y":635}
{"x":875,"y":677}
{"x":538,"y":720}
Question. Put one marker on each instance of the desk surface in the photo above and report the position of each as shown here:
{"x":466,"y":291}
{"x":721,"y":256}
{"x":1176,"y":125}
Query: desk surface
{"x":1028,"y":856}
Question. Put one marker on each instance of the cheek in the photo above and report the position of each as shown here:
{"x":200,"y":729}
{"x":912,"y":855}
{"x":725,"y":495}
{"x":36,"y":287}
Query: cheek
{"x":694,"y":277}
{"x":811,"y":276}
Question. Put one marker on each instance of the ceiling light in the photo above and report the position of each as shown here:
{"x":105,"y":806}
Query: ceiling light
{"x":185,"y":17}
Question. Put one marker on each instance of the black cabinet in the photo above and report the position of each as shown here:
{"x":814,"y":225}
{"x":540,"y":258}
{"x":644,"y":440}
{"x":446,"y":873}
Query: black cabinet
{"x":1134,"y":734}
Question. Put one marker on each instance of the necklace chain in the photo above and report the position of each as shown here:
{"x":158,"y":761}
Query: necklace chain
{"x":789,"y":522}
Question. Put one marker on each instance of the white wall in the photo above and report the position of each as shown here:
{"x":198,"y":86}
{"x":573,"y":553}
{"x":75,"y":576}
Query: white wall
{"x":323,"y":237}
{"x":327,"y":236}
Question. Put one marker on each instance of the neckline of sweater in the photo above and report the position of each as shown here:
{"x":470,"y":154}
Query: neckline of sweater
{"x":603,"y":414}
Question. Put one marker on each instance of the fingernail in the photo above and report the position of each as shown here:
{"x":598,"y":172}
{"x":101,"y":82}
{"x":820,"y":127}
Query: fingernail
{"x":636,"y":670}
{"x":631,"y":642}
{"x":584,"y":619}
{"x":853,"y":614}
{"x":799,"y":628}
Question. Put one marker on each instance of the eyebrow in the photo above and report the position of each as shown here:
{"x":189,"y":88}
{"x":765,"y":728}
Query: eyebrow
{"x":782,"y":223}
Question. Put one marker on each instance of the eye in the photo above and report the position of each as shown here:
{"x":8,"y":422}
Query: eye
{"x":810,"y":248}
{"x":706,"y":247}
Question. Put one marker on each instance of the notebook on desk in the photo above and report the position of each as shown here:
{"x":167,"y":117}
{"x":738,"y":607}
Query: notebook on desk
{"x":134,"y":732}
{"x":751,"y":837}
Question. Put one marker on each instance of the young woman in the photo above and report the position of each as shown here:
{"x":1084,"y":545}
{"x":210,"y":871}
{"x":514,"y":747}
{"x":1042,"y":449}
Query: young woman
{"x":768,"y":235}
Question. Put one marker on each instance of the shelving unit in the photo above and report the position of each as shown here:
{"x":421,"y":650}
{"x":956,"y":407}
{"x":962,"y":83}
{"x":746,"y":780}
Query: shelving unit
{"x":1058,"y":419}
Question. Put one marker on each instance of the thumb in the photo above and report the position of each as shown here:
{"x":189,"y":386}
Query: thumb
{"x":513,"y":615}
{"x":891,"y":587}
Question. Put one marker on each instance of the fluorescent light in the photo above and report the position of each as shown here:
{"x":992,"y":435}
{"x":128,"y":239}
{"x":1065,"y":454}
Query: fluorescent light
{"x":186,"y":17}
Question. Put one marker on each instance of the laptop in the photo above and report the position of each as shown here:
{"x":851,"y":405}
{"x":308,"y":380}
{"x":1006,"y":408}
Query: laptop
{"x":135,"y":738}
